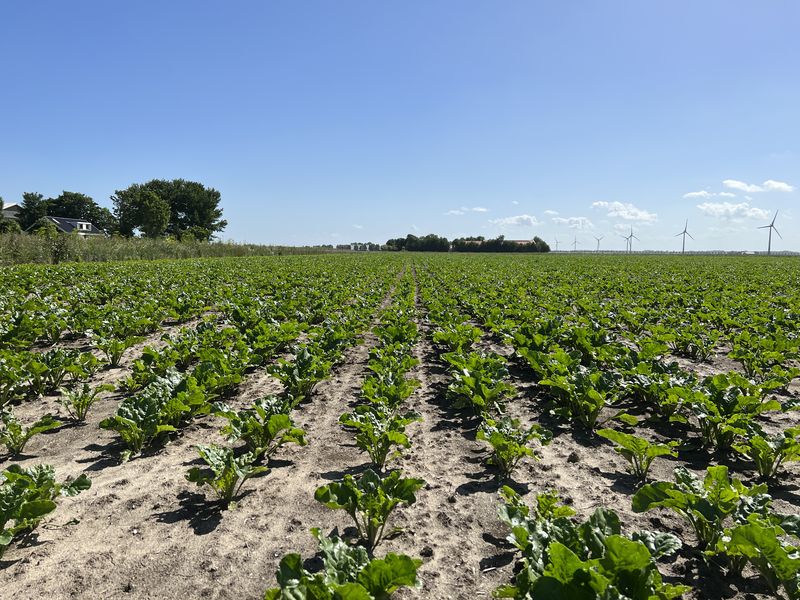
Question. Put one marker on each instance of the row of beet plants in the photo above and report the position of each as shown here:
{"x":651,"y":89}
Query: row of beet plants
{"x":479,"y":382}
{"x":378,"y":422}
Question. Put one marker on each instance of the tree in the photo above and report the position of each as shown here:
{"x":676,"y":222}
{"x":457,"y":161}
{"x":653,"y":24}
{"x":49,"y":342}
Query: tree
{"x":193,"y":209}
{"x":153,"y":214}
{"x":33,"y":208}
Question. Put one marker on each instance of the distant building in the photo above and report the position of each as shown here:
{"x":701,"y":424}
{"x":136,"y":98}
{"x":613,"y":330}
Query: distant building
{"x":11,"y":211}
{"x":79,"y":226}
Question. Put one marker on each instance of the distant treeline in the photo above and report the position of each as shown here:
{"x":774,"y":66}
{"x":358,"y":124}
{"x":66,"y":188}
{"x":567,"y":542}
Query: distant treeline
{"x":16,"y":248}
{"x":435,"y":243}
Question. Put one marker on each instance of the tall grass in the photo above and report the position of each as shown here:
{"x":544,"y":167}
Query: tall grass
{"x":23,"y":248}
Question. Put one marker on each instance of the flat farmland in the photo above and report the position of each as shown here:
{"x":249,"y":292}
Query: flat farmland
{"x":401,"y":425}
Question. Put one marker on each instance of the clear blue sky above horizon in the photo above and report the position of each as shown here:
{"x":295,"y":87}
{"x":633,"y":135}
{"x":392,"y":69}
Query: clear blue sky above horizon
{"x":332,"y":122}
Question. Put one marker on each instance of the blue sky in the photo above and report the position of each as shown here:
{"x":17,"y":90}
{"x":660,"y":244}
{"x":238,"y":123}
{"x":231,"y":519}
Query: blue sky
{"x":331,"y":122}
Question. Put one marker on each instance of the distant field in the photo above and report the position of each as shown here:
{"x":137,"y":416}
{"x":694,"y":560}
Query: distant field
{"x":492,"y":378}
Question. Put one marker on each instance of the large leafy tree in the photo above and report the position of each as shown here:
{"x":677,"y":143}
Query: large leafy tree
{"x":193,"y":209}
{"x":33,"y":208}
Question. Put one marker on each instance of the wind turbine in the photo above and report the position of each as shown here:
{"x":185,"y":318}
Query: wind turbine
{"x":771,"y":226}
{"x":598,"y":242}
{"x":575,"y":244}
{"x":684,"y":233}
{"x":627,"y":242}
{"x":556,"y":244}
{"x":632,"y":237}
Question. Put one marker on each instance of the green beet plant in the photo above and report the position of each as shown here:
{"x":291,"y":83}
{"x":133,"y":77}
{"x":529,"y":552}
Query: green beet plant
{"x":379,"y":432}
{"x":29,"y":495}
{"x":264,"y":427}
{"x":77,"y":402}
{"x":15,"y":436}
{"x":226,"y":473}
{"x":347,"y":572}
{"x":770,"y":452}
{"x":639,"y":453}
{"x":509,"y":442}
{"x":370,"y":500}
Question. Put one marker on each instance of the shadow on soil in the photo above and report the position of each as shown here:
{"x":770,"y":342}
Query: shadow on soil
{"x":200,"y":514}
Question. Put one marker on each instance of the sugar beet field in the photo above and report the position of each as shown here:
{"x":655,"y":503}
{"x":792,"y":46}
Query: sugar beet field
{"x":401,"y":425}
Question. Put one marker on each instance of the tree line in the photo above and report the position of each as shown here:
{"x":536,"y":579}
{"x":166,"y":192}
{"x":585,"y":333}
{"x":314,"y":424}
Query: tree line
{"x":435,"y":243}
{"x":178,"y":208}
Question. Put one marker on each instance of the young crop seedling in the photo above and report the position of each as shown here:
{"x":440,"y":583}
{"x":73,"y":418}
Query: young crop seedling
{"x":509,"y":442}
{"x":27,"y":496}
{"x":347,"y":573}
{"x":478,"y":382}
{"x":301,"y":375}
{"x":264,"y":427}
{"x":705,"y":504}
{"x":639,"y":453}
{"x":378,"y":431}
{"x":14,"y":435}
{"x":370,"y":500}
{"x":226,"y":473}
{"x":769,"y":452}
{"x":564,"y":559}
{"x":77,"y":402}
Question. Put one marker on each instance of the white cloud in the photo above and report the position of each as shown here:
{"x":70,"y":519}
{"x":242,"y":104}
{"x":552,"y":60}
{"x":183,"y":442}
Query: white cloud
{"x":777,"y":186}
{"x":414,"y":228}
{"x":516,"y":221}
{"x":465,"y":209}
{"x":741,"y":186}
{"x":726,"y":195}
{"x":729,"y":211}
{"x":514,"y":202}
{"x":552,"y":213}
{"x":626,"y":211}
{"x":574,"y":222}
{"x":770,"y":185}
{"x":358,"y":226}
{"x":700,"y":194}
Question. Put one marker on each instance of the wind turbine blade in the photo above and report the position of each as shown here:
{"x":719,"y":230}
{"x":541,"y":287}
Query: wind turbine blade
{"x":773,"y":219}
{"x":764,"y":227}
{"x":677,"y":234}
{"x":689,"y":234}
{"x":634,"y":237}
{"x":778,"y":232}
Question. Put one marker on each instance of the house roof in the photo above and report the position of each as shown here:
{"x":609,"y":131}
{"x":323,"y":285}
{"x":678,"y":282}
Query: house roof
{"x":69,"y":225}
{"x":13,"y":206}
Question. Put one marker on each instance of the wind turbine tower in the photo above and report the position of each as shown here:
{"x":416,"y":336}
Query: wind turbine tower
{"x":771,"y":226}
{"x":575,"y":244}
{"x":632,"y":237}
{"x":556,"y":244}
{"x":684,"y":233}
{"x":598,"y":242}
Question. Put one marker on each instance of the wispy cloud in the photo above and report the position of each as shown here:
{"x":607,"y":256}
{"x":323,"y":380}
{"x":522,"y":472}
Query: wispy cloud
{"x":514,"y":202}
{"x":516,"y":221}
{"x":705,"y":195}
{"x":729,"y":211}
{"x":551,"y":213}
{"x":355,"y":226}
{"x":465,"y":209}
{"x":626,"y":211}
{"x":770,"y":185}
{"x":777,"y":186}
{"x":574,"y":222}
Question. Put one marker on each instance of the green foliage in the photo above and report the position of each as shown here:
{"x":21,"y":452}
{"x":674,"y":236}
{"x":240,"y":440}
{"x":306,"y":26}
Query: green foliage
{"x":27,"y":496}
{"x":706,"y":505}
{"x":564,"y":559}
{"x":639,"y":453}
{"x":77,"y":402}
{"x":226,"y":473}
{"x":378,"y":431}
{"x":479,"y":381}
{"x":769,"y":452}
{"x":509,"y":442}
{"x":264,"y":427}
{"x":370,"y":500}
{"x":347,"y":573}
{"x":114,"y":347}
{"x":15,"y":435}
{"x":299,"y":376}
